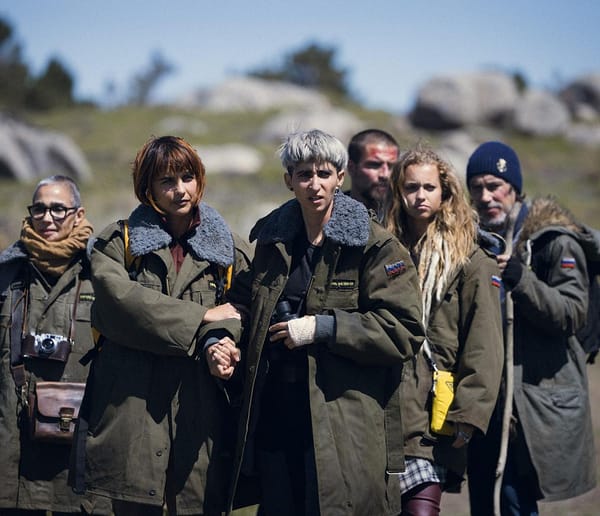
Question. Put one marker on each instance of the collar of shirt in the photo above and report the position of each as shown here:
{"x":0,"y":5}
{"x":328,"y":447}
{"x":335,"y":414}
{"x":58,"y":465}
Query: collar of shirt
{"x":179,"y":246}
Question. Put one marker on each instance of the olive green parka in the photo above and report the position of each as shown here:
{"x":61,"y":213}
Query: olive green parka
{"x":152,"y":404}
{"x":34,"y":474}
{"x":553,"y":441}
{"x":551,"y":386}
{"x":465,"y":336}
{"x":364,"y":278}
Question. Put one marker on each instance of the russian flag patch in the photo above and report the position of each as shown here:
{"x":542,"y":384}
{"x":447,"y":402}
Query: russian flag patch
{"x":567,"y":263}
{"x":496,"y":281}
{"x":394,"y":269}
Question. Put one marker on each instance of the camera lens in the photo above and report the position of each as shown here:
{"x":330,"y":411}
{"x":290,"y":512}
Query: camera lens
{"x":47,"y":346}
{"x":283,"y":311}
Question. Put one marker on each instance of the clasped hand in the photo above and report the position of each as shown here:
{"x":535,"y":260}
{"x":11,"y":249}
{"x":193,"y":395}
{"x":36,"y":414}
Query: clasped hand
{"x":222,"y":357}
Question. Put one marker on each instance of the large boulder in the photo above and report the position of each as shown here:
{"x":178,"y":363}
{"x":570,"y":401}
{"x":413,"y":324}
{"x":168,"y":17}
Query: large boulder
{"x":455,"y":101}
{"x":539,"y":113}
{"x":231,"y":158}
{"x":252,"y":94}
{"x":338,"y":122}
{"x":182,"y":124}
{"x":28,"y":153}
{"x":584,"y":134}
{"x":456,"y":147}
{"x":582,"y":96}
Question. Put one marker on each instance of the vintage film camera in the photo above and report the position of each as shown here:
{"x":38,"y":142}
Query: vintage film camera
{"x":46,"y":345}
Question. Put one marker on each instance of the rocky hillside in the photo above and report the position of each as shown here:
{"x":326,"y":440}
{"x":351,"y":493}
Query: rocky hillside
{"x":238,"y":125}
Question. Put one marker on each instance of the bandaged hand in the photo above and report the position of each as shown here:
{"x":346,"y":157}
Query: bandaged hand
{"x":302,"y":331}
{"x":296,"y":332}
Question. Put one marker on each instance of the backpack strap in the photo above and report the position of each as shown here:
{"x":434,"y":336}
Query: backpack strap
{"x":18,"y":314}
{"x":129,"y":259}
{"x":589,"y":335}
{"x":224,"y":275}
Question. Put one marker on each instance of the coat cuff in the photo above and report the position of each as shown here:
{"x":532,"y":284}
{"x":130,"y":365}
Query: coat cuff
{"x":325,"y":328}
{"x":212,"y":337}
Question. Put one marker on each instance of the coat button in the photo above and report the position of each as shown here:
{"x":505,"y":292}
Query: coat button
{"x":152,"y":492}
{"x":159,"y":453}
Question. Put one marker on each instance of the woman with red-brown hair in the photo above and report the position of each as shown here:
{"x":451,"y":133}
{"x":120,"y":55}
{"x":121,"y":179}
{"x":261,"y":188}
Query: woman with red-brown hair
{"x":155,"y":404}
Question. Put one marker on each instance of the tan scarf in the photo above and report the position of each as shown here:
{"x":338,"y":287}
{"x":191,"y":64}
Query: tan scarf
{"x":53,"y":258}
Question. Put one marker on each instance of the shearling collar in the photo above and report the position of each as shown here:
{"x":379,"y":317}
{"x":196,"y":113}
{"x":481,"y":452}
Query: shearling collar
{"x":211,"y":240}
{"x":348,"y":225}
{"x":14,"y":252}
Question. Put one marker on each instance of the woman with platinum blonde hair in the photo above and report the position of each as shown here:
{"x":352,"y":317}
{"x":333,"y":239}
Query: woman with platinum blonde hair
{"x":334,"y":313}
{"x":461,"y":316}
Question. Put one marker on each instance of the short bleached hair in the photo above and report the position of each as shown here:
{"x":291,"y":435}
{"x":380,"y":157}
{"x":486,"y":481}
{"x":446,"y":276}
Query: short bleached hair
{"x":312,"y":146}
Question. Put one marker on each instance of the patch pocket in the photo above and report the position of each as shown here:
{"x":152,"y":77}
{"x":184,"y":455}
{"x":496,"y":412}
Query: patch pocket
{"x":84,"y":307}
{"x":567,"y":399}
{"x":205,"y":296}
{"x":342,"y":293}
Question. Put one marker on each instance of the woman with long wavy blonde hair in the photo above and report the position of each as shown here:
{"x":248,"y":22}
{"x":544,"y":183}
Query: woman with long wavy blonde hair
{"x":461,"y":314}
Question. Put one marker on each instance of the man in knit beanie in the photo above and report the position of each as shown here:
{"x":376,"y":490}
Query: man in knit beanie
{"x":546,"y":275}
{"x":495,"y":183}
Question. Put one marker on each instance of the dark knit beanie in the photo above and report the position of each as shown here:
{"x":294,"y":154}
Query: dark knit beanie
{"x":497,"y":159}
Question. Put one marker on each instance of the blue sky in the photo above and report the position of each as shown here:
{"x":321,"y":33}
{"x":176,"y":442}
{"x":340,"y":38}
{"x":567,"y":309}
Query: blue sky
{"x":389,"y":47}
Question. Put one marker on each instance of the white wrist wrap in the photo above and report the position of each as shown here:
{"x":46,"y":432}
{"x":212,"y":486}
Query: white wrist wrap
{"x":302,"y":331}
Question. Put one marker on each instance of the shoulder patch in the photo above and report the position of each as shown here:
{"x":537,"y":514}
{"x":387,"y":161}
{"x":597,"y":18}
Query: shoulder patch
{"x":395,"y":269}
{"x":567,"y":263}
{"x":496,"y":281}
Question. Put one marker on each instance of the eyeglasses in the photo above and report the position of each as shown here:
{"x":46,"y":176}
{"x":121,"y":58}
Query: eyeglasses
{"x":57,"y":211}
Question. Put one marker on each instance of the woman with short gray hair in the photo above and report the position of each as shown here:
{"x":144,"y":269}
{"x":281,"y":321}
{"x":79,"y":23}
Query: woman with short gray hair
{"x":334,"y":312}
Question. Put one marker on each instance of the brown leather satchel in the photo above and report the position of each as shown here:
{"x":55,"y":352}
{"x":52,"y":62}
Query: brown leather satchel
{"x":53,"y":411}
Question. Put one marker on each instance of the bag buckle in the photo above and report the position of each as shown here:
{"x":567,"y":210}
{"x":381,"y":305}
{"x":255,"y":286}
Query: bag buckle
{"x":66,"y":417}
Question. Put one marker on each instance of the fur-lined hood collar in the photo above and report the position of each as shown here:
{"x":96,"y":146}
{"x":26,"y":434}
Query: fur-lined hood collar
{"x":545,"y":214}
{"x":211,"y":241}
{"x":348,"y":225}
{"x":14,"y":252}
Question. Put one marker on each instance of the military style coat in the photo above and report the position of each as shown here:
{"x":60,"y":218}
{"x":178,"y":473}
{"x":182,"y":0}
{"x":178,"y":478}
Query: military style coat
{"x":551,"y":387}
{"x":365,"y":278}
{"x":465,"y":336}
{"x":152,"y":404}
{"x":34,"y":474}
